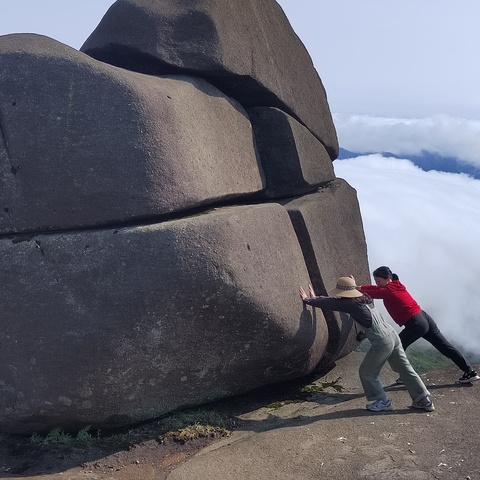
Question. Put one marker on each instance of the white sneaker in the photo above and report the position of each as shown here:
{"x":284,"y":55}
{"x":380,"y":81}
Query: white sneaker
{"x":380,"y":406}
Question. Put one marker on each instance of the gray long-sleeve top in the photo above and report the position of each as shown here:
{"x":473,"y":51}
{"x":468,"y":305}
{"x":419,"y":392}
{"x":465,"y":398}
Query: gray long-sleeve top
{"x":360,"y":312}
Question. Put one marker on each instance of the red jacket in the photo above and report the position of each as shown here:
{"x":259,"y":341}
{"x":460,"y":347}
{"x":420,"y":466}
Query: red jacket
{"x":399,"y":303}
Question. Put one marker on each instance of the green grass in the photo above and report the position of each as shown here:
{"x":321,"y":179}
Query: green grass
{"x":425,"y":358}
{"x":58,"y":436}
{"x":178,"y":427}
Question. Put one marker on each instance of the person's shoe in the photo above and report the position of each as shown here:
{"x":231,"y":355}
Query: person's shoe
{"x":467,"y":377}
{"x":399,"y":381}
{"x":424,"y":403}
{"x":380,"y":406}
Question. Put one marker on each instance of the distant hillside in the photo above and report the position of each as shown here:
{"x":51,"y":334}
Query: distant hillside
{"x":424,"y":358}
{"x":426,"y":161}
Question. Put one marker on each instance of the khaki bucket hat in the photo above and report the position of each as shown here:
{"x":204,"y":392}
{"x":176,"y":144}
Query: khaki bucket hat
{"x":345,"y":288}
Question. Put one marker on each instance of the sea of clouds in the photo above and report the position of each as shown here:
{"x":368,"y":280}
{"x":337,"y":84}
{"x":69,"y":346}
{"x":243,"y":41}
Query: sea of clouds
{"x":424,"y":225}
{"x":441,"y":134}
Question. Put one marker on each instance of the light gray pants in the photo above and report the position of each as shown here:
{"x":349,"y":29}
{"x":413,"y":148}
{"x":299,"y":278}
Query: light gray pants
{"x":389,"y":349}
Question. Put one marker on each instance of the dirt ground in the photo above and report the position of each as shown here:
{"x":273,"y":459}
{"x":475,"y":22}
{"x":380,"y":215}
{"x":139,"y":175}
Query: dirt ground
{"x":139,"y":452}
{"x":272,"y":423}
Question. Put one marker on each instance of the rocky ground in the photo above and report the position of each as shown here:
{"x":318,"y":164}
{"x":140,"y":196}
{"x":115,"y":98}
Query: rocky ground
{"x":154,"y":446}
{"x":284,"y":432}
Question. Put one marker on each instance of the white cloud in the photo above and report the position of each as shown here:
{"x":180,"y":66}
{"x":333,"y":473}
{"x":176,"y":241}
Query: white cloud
{"x":425,"y":226}
{"x":441,"y":134}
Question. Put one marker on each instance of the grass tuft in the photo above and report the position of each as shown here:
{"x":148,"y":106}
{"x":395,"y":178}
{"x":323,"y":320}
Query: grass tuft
{"x":190,"y":425}
{"x":305,"y":393}
{"x":57,"y":436}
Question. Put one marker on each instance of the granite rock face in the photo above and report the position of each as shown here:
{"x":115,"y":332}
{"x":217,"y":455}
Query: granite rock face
{"x":328,"y":225}
{"x":90,"y":144}
{"x":246,"y":48}
{"x":162,"y":200}
{"x":140,"y":321}
{"x":293,"y":160}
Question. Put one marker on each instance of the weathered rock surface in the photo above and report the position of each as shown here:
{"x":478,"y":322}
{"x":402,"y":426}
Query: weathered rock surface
{"x":119,"y":326}
{"x":87,"y":144}
{"x":247,"y":48}
{"x":146,"y":298}
{"x":329,"y":228}
{"x":293,"y":160}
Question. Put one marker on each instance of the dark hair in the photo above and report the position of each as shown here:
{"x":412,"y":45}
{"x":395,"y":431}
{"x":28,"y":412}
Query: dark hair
{"x":364,"y":299}
{"x":385,"y":272}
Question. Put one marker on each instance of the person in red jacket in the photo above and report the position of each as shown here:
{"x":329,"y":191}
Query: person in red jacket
{"x":407,"y":313}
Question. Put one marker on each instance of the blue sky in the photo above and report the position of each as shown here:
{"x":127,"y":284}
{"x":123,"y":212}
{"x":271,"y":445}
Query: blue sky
{"x":400,"y":77}
{"x":408,"y":59}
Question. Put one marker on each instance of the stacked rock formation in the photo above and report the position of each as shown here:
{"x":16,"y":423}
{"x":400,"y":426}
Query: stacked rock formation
{"x":165,"y":191}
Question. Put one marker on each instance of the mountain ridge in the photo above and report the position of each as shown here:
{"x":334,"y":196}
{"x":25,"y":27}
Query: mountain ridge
{"x":425,"y":160}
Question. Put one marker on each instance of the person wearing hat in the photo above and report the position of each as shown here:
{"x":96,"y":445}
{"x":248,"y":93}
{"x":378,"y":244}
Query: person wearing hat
{"x":385,"y":344}
{"x":407,"y":313}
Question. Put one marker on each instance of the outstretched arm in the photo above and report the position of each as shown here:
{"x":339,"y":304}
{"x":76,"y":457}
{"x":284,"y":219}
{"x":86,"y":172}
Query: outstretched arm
{"x":317,"y":301}
{"x":374,"y":291}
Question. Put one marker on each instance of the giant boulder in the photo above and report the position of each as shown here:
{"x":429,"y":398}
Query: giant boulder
{"x":139,"y":321}
{"x":130,"y":289}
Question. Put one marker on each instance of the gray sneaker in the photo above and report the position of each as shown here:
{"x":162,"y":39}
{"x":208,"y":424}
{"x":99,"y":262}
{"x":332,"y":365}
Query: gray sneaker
{"x":380,"y":406}
{"x":424,"y":403}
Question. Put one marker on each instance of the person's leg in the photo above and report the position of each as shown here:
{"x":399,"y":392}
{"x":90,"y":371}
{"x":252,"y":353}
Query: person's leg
{"x":414,"y":329}
{"x":370,"y":368}
{"x":435,"y":337}
{"x":413,"y":383}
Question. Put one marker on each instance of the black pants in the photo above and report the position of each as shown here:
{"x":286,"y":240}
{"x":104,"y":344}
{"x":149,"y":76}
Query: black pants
{"x":422,"y":325}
